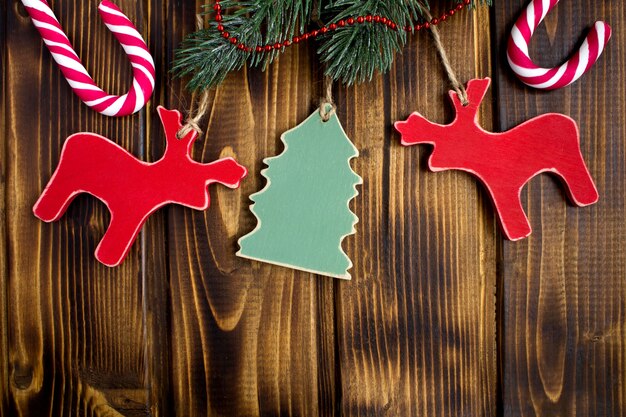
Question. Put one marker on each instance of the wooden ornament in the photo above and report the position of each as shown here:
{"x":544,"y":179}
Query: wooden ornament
{"x":132,"y":189}
{"x":505,"y":162}
{"x":303,"y":213}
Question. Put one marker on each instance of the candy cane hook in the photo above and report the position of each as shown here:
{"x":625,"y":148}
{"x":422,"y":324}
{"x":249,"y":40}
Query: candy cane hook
{"x":551,"y":78}
{"x":76,"y":74}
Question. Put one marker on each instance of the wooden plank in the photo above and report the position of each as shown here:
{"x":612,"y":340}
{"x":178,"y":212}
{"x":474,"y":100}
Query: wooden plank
{"x":563,"y":319}
{"x":247,"y":338}
{"x":76,"y":334}
{"x":417,"y":325}
{"x":4,"y":348}
{"x":155,"y":271}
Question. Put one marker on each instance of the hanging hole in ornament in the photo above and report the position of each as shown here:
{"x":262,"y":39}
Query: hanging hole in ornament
{"x":462,"y":95}
{"x":326,"y":111}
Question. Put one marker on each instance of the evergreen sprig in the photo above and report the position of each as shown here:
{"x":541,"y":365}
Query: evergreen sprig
{"x":353,"y":53}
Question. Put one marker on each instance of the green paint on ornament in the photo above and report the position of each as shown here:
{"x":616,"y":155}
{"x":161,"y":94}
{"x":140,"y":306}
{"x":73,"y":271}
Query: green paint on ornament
{"x":303,"y":212}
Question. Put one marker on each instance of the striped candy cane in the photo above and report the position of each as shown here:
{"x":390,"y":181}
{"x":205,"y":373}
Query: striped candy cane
{"x":76,"y":74}
{"x":551,"y":78}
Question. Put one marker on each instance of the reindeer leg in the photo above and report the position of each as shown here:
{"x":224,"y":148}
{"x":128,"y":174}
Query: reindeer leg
{"x":581,"y":189}
{"x":55,"y":199}
{"x":513,"y":219}
{"x":117,"y":240}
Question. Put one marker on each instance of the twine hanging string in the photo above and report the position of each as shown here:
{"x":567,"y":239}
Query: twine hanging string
{"x":198,"y":108}
{"x":197,"y":111}
{"x":327,"y":100}
{"x":443,"y":56}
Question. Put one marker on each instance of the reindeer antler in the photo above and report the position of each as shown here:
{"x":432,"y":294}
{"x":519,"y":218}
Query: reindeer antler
{"x":476,"y":91}
{"x":172,"y":123}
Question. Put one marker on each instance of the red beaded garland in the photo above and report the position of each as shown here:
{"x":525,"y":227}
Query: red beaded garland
{"x":331,"y":27}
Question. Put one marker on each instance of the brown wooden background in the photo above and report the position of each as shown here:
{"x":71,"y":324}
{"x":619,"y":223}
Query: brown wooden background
{"x":442,"y":317}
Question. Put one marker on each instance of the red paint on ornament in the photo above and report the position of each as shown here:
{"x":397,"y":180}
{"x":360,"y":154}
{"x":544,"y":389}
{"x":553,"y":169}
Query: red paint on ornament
{"x":505,"y":162}
{"x":132,"y":189}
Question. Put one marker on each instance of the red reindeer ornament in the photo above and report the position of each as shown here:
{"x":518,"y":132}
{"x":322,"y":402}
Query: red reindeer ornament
{"x":132,"y":189}
{"x":504,"y":162}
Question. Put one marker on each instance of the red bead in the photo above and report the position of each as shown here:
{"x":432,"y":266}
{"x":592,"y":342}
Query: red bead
{"x":360,"y":19}
{"x":435,"y":21}
{"x":268,"y":48}
{"x":419,"y":27}
{"x":376,"y":19}
{"x":451,"y":12}
{"x":296,"y":39}
{"x":324,"y":29}
{"x":350,"y":21}
{"x":332,"y":26}
{"x":341,"y":23}
{"x":218,"y":17}
{"x":467,"y":2}
{"x":426,"y":25}
{"x":233,"y":40}
{"x":225,"y":35}
{"x":259,"y":49}
{"x":241,"y":46}
{"x":286,"y":43}
{"x":315,"y":33}
{"x":217,"y":7}
{"x":460,"y":7}
{"x":443,"y":18}
{"x":384,"y":20}
{"x":369,"y":18}
{"x":393,"y":26}
{"x":220,"y":28}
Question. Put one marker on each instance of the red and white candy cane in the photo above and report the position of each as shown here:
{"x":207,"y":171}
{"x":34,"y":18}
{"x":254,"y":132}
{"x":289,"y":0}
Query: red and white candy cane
{"x":76,"y":74}
{"x":551,"y":78}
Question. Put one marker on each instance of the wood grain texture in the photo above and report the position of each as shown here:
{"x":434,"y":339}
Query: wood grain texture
{"x":155,"y":271}
{"x":417,"y":323}
{"x":563,"y":347}
{"x":76,"y":340}
{"x":4,"y":347}
{"x":245,"y":336}
{"x":186,"y":328}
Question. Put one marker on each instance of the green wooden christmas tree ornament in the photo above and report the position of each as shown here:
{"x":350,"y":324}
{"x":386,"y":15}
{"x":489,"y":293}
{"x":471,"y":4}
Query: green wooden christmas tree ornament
{"x":303,"y":212}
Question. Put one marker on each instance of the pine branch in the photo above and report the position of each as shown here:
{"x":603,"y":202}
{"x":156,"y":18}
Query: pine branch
{"x":209,"y":57}
{"x":351,"y":53}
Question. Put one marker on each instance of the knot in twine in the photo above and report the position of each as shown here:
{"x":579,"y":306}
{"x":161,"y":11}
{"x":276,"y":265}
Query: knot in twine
{"x":195,"y":115}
